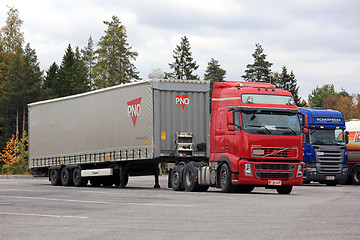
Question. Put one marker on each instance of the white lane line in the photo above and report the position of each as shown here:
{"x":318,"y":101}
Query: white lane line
{"x":98,"y":202}
{"x":56,"y":199}
{"x":40,"y":215}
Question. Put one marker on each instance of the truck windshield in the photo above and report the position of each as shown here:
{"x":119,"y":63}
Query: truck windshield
{"x":270,"y":122}
{"x":327,"y":137}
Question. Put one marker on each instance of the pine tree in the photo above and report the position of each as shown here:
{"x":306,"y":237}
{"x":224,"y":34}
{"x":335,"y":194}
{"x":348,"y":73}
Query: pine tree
{"x":50,"y":82}
{"x":114,"y":57}
{"x":260,"y":70}
{"x":288,"y":82}
{"x":88,"y":56}
{"x":62,"y":87}
{"x":184,"y":64}
{"x":80,"y":81}
{"x":214,"y":73}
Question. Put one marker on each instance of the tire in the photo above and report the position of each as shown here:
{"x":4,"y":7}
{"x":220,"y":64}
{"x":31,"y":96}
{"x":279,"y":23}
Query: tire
{"x":190,"y":184}
{"x":225,"y":179}
{"x":117,"y":180}
{"x":244,"y":188}
{"x":55,"y":177}
{"x":175,"y":179}
{"x":355,"y":175}
{"x":284,"y":189}
{"x":77,"y":179}
{"x":66,"y":178}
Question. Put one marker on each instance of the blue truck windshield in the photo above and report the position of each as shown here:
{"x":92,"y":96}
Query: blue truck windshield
{"x":276,"y":123}
{"x":327,"y":137}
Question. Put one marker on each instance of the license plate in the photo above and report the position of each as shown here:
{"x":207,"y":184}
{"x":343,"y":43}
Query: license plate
{"x":274,"y":182}
{"x":330,"y":177}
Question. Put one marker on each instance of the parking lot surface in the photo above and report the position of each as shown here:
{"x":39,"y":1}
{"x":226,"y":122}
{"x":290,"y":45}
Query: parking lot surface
{"x":34,"y":209}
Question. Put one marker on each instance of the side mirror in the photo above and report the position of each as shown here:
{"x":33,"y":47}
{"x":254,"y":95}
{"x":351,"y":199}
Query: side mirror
{"x":305,"y":130}
{"x":230,"y":121}
{"x":346,"y":137}
{"x":305,"y":119}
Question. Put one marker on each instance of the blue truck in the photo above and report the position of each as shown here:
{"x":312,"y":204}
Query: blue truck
{"x":324,"y":146}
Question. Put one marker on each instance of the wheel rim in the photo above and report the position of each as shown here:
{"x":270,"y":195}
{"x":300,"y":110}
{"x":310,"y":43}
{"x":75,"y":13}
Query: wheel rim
{"x":223,"y":178}
{"x":189,"y":178}
{"x":53,"y":175}
{"x":175,"y":180}
{"x":357,"y":175}
{"x":76,"y":176}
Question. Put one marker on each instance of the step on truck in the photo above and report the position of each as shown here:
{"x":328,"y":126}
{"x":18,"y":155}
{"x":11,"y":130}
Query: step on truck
{"x":107,"y":135}
{"x":324,"y":146}
{"x":353,"y":148}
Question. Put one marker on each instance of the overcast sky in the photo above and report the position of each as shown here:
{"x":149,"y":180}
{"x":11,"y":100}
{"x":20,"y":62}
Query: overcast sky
{"x":317,"y":39}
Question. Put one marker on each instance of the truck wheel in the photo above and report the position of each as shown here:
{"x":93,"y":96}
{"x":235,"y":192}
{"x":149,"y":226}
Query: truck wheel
{"x":225,"y":179}
{"x":66,"y":177}
{"x":55,"y":177}
{"x":284,"y":189}
{"x":356,"y":175}
{"x":189,"y":178}
{"x":175,"y":179}
{"x":77,"y":179}
{"x":117,"y":180}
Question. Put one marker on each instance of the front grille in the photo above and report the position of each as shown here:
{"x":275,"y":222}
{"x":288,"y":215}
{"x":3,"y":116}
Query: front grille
{"x":329,"y":159}
{"x":272,"y":175}
{"x":284,"y":167}
{"x":274,"y":152}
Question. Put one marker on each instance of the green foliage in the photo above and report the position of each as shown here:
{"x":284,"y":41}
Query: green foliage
{"x":14,"y":157}
{"x":184,"y":64}
{"x":88,"y":56}
{"x":50,"y":82}
{"x":318,"y":95}
{"x":72,"y":75}
{"x":214,"y":73}
{"x":114,"y":57}
{"x":260,"y":70}
{"x":288,"y":82}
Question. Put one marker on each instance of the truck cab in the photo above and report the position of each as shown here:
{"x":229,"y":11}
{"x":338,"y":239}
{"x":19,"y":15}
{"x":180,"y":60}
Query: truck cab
{"x":256,"y":137}
{"x":324,"y":146}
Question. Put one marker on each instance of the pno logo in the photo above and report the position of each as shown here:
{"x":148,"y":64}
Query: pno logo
{"x":134,"y":109}
{"x":182,"y":100}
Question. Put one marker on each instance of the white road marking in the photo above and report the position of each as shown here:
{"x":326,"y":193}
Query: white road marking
{"x":40,"y":215}
{"x":99,"y":202}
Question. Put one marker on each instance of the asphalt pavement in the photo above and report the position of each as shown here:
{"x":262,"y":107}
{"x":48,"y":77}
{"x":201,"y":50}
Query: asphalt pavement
{"x":32,"y":208}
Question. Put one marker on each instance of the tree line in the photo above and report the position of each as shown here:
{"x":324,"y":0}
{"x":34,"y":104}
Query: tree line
{"x":109,"y":63}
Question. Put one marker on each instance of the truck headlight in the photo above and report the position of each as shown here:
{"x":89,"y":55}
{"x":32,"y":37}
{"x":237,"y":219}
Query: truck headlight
{"x":248,"y":171}
{"x":345,"y":170}
{"x":311,"y":169}
{"x":299,"y":171}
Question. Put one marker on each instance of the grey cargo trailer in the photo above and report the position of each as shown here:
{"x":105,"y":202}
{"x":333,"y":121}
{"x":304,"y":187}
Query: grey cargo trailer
{"x":129,"y":128}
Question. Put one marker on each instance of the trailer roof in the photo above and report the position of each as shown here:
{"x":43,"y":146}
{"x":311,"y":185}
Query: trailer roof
{"x":162,"y":84}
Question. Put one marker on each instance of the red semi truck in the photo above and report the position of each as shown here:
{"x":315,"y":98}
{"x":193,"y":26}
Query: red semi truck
{"x":105,"y":136}
{"x":255,"y":140}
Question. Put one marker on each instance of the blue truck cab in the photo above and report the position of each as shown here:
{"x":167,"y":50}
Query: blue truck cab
{"x":324,"y":146}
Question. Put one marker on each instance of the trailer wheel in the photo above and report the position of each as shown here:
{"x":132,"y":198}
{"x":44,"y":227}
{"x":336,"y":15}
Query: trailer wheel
{"x":117,"y":180}
{"x":356,"y":175}
{"x":189,"y":178}
{"x":175,"y":179}
{"x":284,"y":189}
{"x":66,"y":177}
{"x":77,"y":179}
{"x":225,"y":179}
{"x":55,"y":177}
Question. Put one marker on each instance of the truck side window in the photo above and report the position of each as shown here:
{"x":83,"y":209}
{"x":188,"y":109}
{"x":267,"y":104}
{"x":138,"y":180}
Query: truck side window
{"x":237,"y":120}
